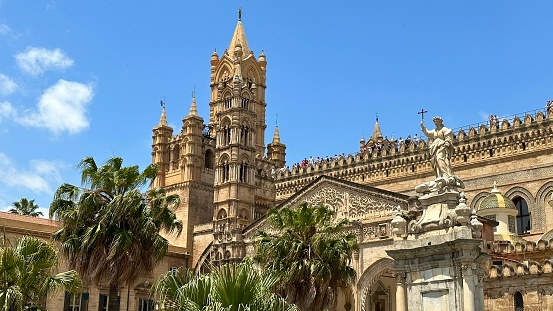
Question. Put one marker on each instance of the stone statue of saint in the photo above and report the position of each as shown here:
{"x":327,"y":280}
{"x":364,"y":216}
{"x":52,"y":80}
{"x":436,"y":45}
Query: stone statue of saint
{"x":441,"y":148}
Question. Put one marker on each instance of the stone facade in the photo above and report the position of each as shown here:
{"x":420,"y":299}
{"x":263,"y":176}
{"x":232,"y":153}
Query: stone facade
{"x":227,"y":181}
{"x":241,"y":181}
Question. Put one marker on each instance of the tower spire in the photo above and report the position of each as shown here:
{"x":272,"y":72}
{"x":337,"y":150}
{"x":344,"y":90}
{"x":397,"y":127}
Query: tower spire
{"x":163,"y":118}
{"x":239,"y":38}
{"x":377,"y":133}
{"x":193,"y":108}
{"x":276,"y":136}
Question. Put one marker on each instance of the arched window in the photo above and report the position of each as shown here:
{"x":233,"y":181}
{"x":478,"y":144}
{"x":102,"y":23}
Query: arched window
{"x":243,"y":174}
{"x":209,"y":157}
{"x":245,"y":103}
{"x":228,"y":102}
{"x":519,"y":302}
{"x":245,"y":135}
{"x":176,"y":156}
{"x":523,"y":216}
{"x":226,"y":172}
{"x":222,"y":214}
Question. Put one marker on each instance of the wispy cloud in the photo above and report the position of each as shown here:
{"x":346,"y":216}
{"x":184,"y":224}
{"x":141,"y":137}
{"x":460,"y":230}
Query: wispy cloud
{"x":5,"y":30}
{"x":7,"y":85}
{"x":7,"y":111}
{"x":35,"y":61}
{"x":61,"y":108}
{"x":38,"y":177}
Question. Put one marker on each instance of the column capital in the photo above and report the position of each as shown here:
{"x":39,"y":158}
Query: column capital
{"x":400,"y":277}
{"x":468,"y":268}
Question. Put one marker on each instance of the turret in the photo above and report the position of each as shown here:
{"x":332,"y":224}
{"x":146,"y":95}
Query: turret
{"x":192,"y":131}
{"x":160,"y":154}
{"x":276,"y":151}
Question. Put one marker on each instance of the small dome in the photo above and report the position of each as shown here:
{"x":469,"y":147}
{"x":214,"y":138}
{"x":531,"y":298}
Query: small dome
{"x":496,"y":200}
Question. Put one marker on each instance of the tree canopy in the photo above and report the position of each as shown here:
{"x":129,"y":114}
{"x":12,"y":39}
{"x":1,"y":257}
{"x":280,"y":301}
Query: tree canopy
{"x":111,"y":230}
{"x":311,"y":250}
{"x":27,"y":274}
{"x":26,"y":208}
{"x":231,"y":287}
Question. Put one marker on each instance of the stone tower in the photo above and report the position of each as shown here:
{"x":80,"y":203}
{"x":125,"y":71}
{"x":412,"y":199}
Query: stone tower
{"x":243,"y":187}
{"x":276,"y":151}
{"x":161,"y":136}
{"x":185,"y":163}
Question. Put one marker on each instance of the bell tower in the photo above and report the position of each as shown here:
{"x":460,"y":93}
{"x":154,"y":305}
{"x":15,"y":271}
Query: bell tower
{"x":237,"y":121}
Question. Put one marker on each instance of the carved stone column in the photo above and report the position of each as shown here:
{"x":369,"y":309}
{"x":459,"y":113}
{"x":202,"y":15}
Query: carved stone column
{"x":469,"y":275}
{"x":401,"y":292}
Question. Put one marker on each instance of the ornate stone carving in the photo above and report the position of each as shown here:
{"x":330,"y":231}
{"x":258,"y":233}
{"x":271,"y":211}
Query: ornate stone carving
{"x":399,"y":224}
{"x":462,"y":211}
{"x":350,"y":205}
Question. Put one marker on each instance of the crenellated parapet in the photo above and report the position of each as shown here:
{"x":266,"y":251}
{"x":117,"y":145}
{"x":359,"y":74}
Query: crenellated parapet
{"x":409,"y":163}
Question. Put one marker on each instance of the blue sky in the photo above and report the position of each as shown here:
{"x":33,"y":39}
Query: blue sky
{"x":84,"y":78}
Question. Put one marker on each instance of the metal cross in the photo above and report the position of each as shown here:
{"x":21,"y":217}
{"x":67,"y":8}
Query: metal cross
{"x":422,"y":112}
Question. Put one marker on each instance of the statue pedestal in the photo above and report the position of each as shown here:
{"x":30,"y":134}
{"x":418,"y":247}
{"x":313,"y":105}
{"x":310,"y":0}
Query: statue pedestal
{"x":438,"y":264}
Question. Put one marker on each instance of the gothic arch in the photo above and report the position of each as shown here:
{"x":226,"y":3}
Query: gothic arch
{"x":537,"y":212}
{"x":226,"y":121}
{"x":545,"y":192}
{"x":209,"y":159}
{"x":224,"y":70}
{"x":244,"y":158}
{"x":203,"y":263}
{"x":477,"y":199}
{"x":222,"y":214}
{"x":370,"y":278}
{"x":252,"y":73}
{"x":224,"y":158}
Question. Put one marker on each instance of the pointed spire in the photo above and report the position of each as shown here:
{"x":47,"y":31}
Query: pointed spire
{"x":276,"y":136}
{"x":163,"y":118}
{"x":193,"y":108}
{"x":239,"y":38}
{"x":377,"y":133}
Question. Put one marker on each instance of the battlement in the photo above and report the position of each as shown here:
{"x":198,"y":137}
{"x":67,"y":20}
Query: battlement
{"x":510,"y":267}
{"x":507,"y":138}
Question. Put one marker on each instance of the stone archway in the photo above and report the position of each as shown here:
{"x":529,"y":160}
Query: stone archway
{"x":376,"y":287}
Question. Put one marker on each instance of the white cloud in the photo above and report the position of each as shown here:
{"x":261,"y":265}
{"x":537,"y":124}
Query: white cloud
{"x":35,"y":61}
{"x":62,"y":107}
{"x":7,"y":85}
{"x":38,"y":178}
{"x":5,"y":29}
{"x":7,"y":111}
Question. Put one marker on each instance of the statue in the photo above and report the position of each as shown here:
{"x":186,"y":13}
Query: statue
{"x":441,"y":150}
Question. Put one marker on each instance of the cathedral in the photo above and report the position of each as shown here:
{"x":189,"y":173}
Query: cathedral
{"x":228,"y":178}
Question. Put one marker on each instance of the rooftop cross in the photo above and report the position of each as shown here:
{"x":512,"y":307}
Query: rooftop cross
{"x":240,"y":14}
{"x":422,"y":112}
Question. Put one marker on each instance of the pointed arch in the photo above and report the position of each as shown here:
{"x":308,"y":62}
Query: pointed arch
{"x":369,"y":279}
{"x":209,"y":159}
{"x":535,"y":213}
{"x":204,"y":261}
{"x":475,"y":203}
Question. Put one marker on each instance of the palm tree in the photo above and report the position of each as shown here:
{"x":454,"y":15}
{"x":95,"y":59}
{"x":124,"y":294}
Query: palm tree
{"x":311,"y":250}
{"x":26,"y":274}
{"x":111,"y":231}
{"x":25,"y":207}
{"x":232,"y":287}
